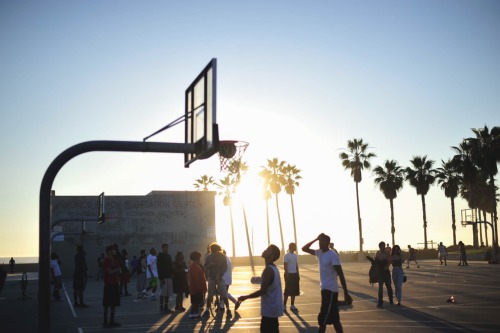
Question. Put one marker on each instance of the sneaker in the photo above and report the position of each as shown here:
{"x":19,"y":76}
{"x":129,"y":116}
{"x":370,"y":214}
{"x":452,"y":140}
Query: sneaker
{"x":379,"y":305}
{"x":206,"y":314}
{"x":399,"y":303}
{"x":194,"y":316}
{"x":293,"y":308}
{"x":237,"y":305}
{"x":83,"y":305}
{"x":391,"y":301}
{"x":228,"y":313}
{"x":418,"y":266}
{"x":168,"y":311}
{"x":114,"y":324}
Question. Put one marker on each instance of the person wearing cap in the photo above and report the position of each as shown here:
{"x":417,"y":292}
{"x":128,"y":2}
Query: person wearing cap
{"x":329,"y":269}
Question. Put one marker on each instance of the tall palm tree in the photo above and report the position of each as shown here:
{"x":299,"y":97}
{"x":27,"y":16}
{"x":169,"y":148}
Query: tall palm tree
{"x":390,"y":181}
{"x":292,"y":175}
{"x":276,"y":181}
{"x":421,"y":177}
{"x":227,"y":186}
{"x":266,"y":195}
{"x":236,"y":169}
{"x":450,"y":180}
{"x":204,"y":182}
{"x":486,"y":155}
{"x":356,"y":159}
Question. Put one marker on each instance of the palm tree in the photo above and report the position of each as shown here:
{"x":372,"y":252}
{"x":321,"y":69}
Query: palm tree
{"x":236,"y":169}
{"x":450,"y":180}
{"x":356,"y":159}
{"x":292,"y":175}
{"x":485,"y":153}
{"x":421,"y":177}
{"x":275,"y":180}
{"x":266,"y":195}
{"x":227,"y":186}
{"x":203,"y":183}
{"x":390,"y":181}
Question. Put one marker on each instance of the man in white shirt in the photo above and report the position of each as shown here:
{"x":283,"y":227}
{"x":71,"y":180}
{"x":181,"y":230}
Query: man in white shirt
{"x":151,"y":274}
{"x":292,"y":278}
{"x":329,"y":269}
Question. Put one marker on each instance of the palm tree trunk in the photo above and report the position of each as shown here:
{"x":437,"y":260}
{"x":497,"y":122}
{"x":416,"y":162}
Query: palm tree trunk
{"x":281,"y":228}
{"x":485,"y":228}
{"x":425,"y":221}
{"x":359,"y":222}
{"x":232,"y":230}
{"x":495,"y":217}
{"x":293,"y":217}
{"x":453,"y":221}
{"x":267,"y":220}
{"x":393,"y":229}
{"x":480,"y":228}
{"x":248,"y":239}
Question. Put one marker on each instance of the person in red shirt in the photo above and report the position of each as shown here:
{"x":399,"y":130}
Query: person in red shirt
{"x":197,"y":284}
{"x":111,"y":294}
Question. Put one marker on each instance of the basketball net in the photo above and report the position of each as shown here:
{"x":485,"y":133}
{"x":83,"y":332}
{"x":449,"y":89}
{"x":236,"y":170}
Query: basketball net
{"x":230,"y":154}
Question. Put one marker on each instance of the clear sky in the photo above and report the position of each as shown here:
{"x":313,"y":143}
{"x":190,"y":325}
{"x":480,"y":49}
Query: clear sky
{"x":296,"y":79}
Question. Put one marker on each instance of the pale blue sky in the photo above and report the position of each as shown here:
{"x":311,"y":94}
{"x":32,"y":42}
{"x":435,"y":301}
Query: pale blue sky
{"x":296,"y":79}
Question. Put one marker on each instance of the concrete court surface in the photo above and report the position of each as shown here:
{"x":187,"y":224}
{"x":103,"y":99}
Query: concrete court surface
{"x":476,"y":289}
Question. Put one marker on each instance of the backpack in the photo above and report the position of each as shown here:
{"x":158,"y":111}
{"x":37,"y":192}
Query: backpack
{"x":373,"y":272}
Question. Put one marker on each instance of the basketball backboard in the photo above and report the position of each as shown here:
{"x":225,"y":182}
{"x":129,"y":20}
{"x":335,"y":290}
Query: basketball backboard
{"x":200,"y":115}
{"x":101,"y":217}
{"x":468,"y":217}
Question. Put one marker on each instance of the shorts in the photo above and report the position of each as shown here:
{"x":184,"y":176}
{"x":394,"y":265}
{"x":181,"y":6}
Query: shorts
{"x":329,"y":312}
{"x":292,"y":287}
{"x":152,"y":282}
{"x":79,"y":282}
{"x":269,"y":325}
{"x":197,"y":299}
{"x":166,"y":287}
{"x":111,"y":295}
{"x":220,"y":285}
{"x":57,"y":282}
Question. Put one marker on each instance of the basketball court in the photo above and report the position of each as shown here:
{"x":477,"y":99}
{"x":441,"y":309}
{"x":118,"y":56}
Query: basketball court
{"x":425,"y":306}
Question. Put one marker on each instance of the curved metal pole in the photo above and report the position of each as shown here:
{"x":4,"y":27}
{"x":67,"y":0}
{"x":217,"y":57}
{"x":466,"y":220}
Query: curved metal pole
{"x":45,"y":213}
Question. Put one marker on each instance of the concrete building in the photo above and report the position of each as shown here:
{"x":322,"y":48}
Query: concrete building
{"x":183,"y":219}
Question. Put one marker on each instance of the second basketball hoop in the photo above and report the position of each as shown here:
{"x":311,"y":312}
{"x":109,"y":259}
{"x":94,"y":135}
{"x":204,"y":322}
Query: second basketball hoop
{"x":230,"y":152}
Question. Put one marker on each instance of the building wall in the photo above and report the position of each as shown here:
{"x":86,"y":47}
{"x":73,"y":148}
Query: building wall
{"x":183,"y":219}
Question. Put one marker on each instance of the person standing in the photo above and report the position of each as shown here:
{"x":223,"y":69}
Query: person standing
{"x":125,"y":278}
{"x":12,"y":264}
{"x":442,"y":253}
{"x":180,"y":281}
{"x":79,"y":277}
{"x":329,"y":269}
{"x":463,"y":254}
{"x":292,"y":277}
{"x":412,"y":256}
{"x":151,"y":274}
{"x":382,"y":262}
{"x":228,"y":280}
{"x":165,"y":273}
{"x":197,"y":284}
{"x":111,"y":294}
{"x":397,"y":260}
{"x":55,"y":270}
{"x":100,"y":259}
{"x":270,"y":292}
{"x":215,"y":267}
{"x":140,"y":270}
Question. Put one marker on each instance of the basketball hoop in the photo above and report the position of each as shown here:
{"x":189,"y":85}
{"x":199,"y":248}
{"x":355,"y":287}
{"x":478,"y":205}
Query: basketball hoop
{"x":230,"y":153}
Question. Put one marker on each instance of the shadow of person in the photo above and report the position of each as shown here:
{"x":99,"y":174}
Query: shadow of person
{"x":301,"y":324}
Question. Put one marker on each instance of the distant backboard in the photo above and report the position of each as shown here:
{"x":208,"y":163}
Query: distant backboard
{"x":200,"y":112}
{"x":101,"y":216}
{"x":468,"y":217}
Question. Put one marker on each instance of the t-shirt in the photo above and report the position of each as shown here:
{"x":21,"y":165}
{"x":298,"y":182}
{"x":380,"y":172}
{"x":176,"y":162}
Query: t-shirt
{"x":327,"y":273}
{"x":54,"y":264}
{"x":228,"y":275}
{"x":442,"y":250}
{"x":216,"y":265}
{"x":196,"y":279}
{"x":110,"y":263}
{"x":165,"y":266}
{"x":152,"y":261}
{"x":291,"y":260}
